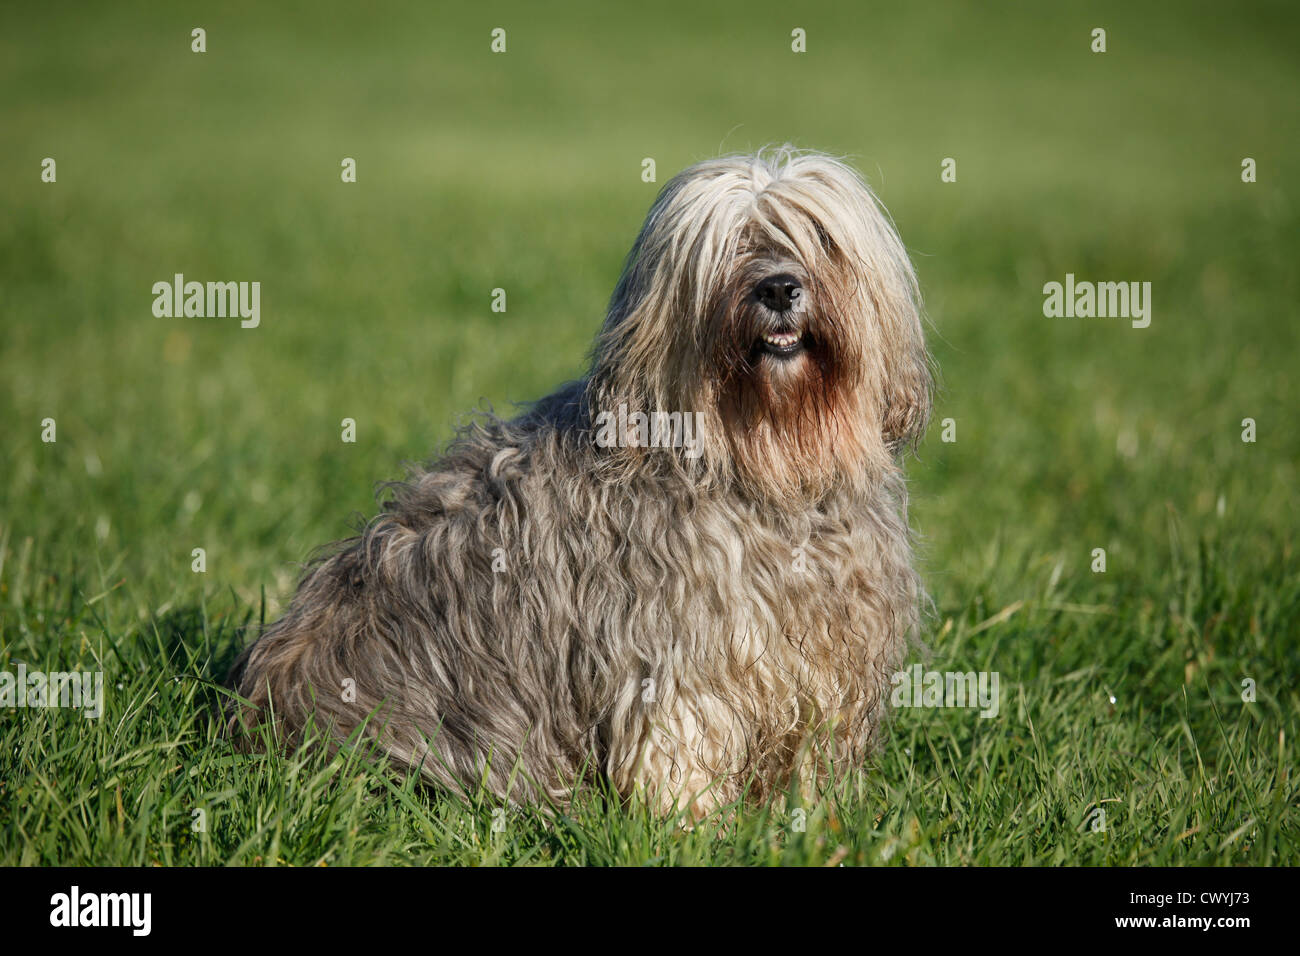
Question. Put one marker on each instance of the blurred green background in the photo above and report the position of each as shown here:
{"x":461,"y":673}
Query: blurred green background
{"x":522,"y":171}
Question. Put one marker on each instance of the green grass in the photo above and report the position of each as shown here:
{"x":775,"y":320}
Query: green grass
{"x":523,"y":171}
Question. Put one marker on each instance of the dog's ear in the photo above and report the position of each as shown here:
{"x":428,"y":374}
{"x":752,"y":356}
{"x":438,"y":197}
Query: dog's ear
{"x":908,"y":398}
{"x":909,"y":379}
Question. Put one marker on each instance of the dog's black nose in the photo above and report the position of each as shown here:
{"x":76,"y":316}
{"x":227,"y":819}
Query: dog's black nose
{"x":779,"y":293}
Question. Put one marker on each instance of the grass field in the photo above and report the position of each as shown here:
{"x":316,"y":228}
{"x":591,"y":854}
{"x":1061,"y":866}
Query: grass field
{"x":1122,"y":690}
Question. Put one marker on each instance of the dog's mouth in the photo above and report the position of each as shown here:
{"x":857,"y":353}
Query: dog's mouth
{"x":782,"y":343}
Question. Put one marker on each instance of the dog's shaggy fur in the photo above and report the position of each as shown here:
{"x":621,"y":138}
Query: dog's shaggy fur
{"x":536,"y":609}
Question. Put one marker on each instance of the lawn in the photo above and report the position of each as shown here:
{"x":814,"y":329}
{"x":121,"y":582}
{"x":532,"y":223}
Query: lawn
{"x":1161,"y":691}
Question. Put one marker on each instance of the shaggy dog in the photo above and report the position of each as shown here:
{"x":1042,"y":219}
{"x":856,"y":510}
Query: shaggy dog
{"x":590,"y":590}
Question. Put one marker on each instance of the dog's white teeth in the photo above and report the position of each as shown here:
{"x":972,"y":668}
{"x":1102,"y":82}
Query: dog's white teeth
{"x":782,"y":340}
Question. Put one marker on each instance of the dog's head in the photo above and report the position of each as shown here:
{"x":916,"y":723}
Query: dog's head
{"x":771,"y":294}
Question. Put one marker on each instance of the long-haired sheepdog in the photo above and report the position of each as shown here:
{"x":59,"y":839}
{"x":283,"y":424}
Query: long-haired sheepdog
{"x":690,"y":573}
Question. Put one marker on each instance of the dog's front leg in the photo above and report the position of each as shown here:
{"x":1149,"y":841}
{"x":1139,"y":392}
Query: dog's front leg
{"x":681,"y":753}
